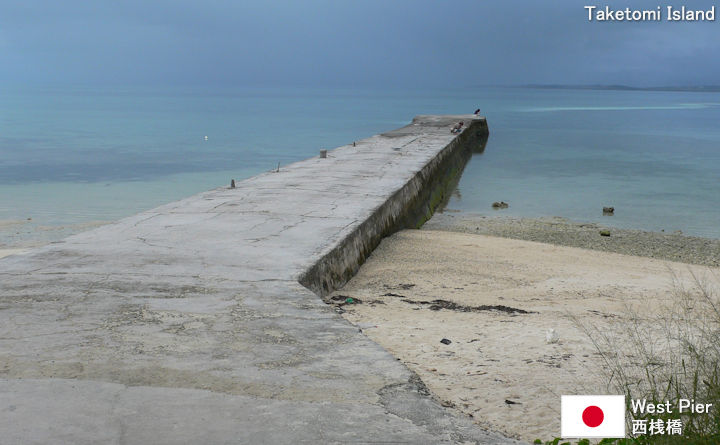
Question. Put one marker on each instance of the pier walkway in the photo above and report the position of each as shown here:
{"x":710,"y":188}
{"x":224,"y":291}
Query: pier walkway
{"x":187,"y":324}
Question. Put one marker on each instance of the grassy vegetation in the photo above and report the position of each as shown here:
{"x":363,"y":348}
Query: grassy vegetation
{"x":558,"y":441}
{"x":665,"y":352}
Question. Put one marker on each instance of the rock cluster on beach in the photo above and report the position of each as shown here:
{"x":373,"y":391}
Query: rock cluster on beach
{"x":562,"y":232}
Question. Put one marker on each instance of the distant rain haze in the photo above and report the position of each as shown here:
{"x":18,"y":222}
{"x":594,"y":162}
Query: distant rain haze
{"x":348,"y":43}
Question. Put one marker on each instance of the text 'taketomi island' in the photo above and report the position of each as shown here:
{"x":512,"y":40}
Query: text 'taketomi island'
{"x":659,"y":14}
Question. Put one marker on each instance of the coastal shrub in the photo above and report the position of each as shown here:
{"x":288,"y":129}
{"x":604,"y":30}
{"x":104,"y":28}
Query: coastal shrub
{"x":666,"y":352}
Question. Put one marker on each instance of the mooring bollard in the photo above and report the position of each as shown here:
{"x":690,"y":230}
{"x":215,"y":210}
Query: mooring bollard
{"x":232,"y":183}
{"x":323,"y":153}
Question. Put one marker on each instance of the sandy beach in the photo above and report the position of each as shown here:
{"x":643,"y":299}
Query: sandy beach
{"x":495,"y":299}
{"x":8,"y":252}
{"x":30,"y":233}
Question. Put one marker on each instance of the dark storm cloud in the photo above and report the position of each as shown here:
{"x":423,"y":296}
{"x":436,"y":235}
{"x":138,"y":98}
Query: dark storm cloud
{"x":337,"y":42}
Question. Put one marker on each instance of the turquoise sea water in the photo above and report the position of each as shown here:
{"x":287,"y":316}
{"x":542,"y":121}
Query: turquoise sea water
{"x":73,"y":156}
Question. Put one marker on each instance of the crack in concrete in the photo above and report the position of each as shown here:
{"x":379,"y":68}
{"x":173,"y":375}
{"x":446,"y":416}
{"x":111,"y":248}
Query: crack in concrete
{"x":145,"y":241}
{"x":276,"y":234}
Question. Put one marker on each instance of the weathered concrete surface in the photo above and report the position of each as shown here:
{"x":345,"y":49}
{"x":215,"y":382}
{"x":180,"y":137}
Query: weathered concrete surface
{"x":187,"y":324}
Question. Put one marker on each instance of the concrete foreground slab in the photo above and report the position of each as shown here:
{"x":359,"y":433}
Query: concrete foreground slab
{"x":186,"y":324}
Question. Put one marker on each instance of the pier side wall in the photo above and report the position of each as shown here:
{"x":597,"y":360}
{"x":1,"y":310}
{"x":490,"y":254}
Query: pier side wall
{"x":409,"y":207}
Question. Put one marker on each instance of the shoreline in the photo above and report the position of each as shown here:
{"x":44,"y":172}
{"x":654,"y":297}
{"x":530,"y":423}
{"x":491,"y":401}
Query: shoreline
{"x":30,"y":233}
{"x":12,"y":251}
{"x":560,"y":231}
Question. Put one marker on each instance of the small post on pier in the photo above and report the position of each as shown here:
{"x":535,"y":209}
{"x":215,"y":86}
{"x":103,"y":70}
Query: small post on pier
{"x":323,"y":154}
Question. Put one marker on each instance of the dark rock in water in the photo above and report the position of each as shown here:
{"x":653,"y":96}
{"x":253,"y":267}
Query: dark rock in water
{"x":604,"y":233}
{"x":608,"y":210}
{"x":445,"y":341}
{"x":500,"y":205}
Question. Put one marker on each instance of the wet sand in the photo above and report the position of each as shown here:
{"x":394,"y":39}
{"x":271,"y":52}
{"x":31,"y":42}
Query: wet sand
{"x":30,"y":233}
{"x":8,"y":252}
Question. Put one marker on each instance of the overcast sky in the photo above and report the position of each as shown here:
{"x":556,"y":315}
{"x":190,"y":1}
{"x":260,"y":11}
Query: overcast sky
{"x":348,"y":43}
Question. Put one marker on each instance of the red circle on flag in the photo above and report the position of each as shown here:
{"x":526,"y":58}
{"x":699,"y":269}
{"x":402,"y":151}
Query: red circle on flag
{"x":593,"y":416}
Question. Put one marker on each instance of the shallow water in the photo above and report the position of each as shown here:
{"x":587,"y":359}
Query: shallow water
{"x":70,"y":157}
{"x":654,"y":156}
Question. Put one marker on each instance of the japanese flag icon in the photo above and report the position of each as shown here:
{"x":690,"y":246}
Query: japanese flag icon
{"x":592,"y":416}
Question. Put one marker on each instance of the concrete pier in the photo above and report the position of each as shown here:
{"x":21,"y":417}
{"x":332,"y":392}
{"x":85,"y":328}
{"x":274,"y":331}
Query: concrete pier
{"x":189,"y":324}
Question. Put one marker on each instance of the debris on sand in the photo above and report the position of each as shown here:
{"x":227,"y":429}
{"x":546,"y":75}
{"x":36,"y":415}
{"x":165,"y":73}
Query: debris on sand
{"x":436,"y":305}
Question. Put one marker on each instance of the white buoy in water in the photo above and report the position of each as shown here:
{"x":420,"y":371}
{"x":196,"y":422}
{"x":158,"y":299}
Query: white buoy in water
{"x":206,"y":138}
